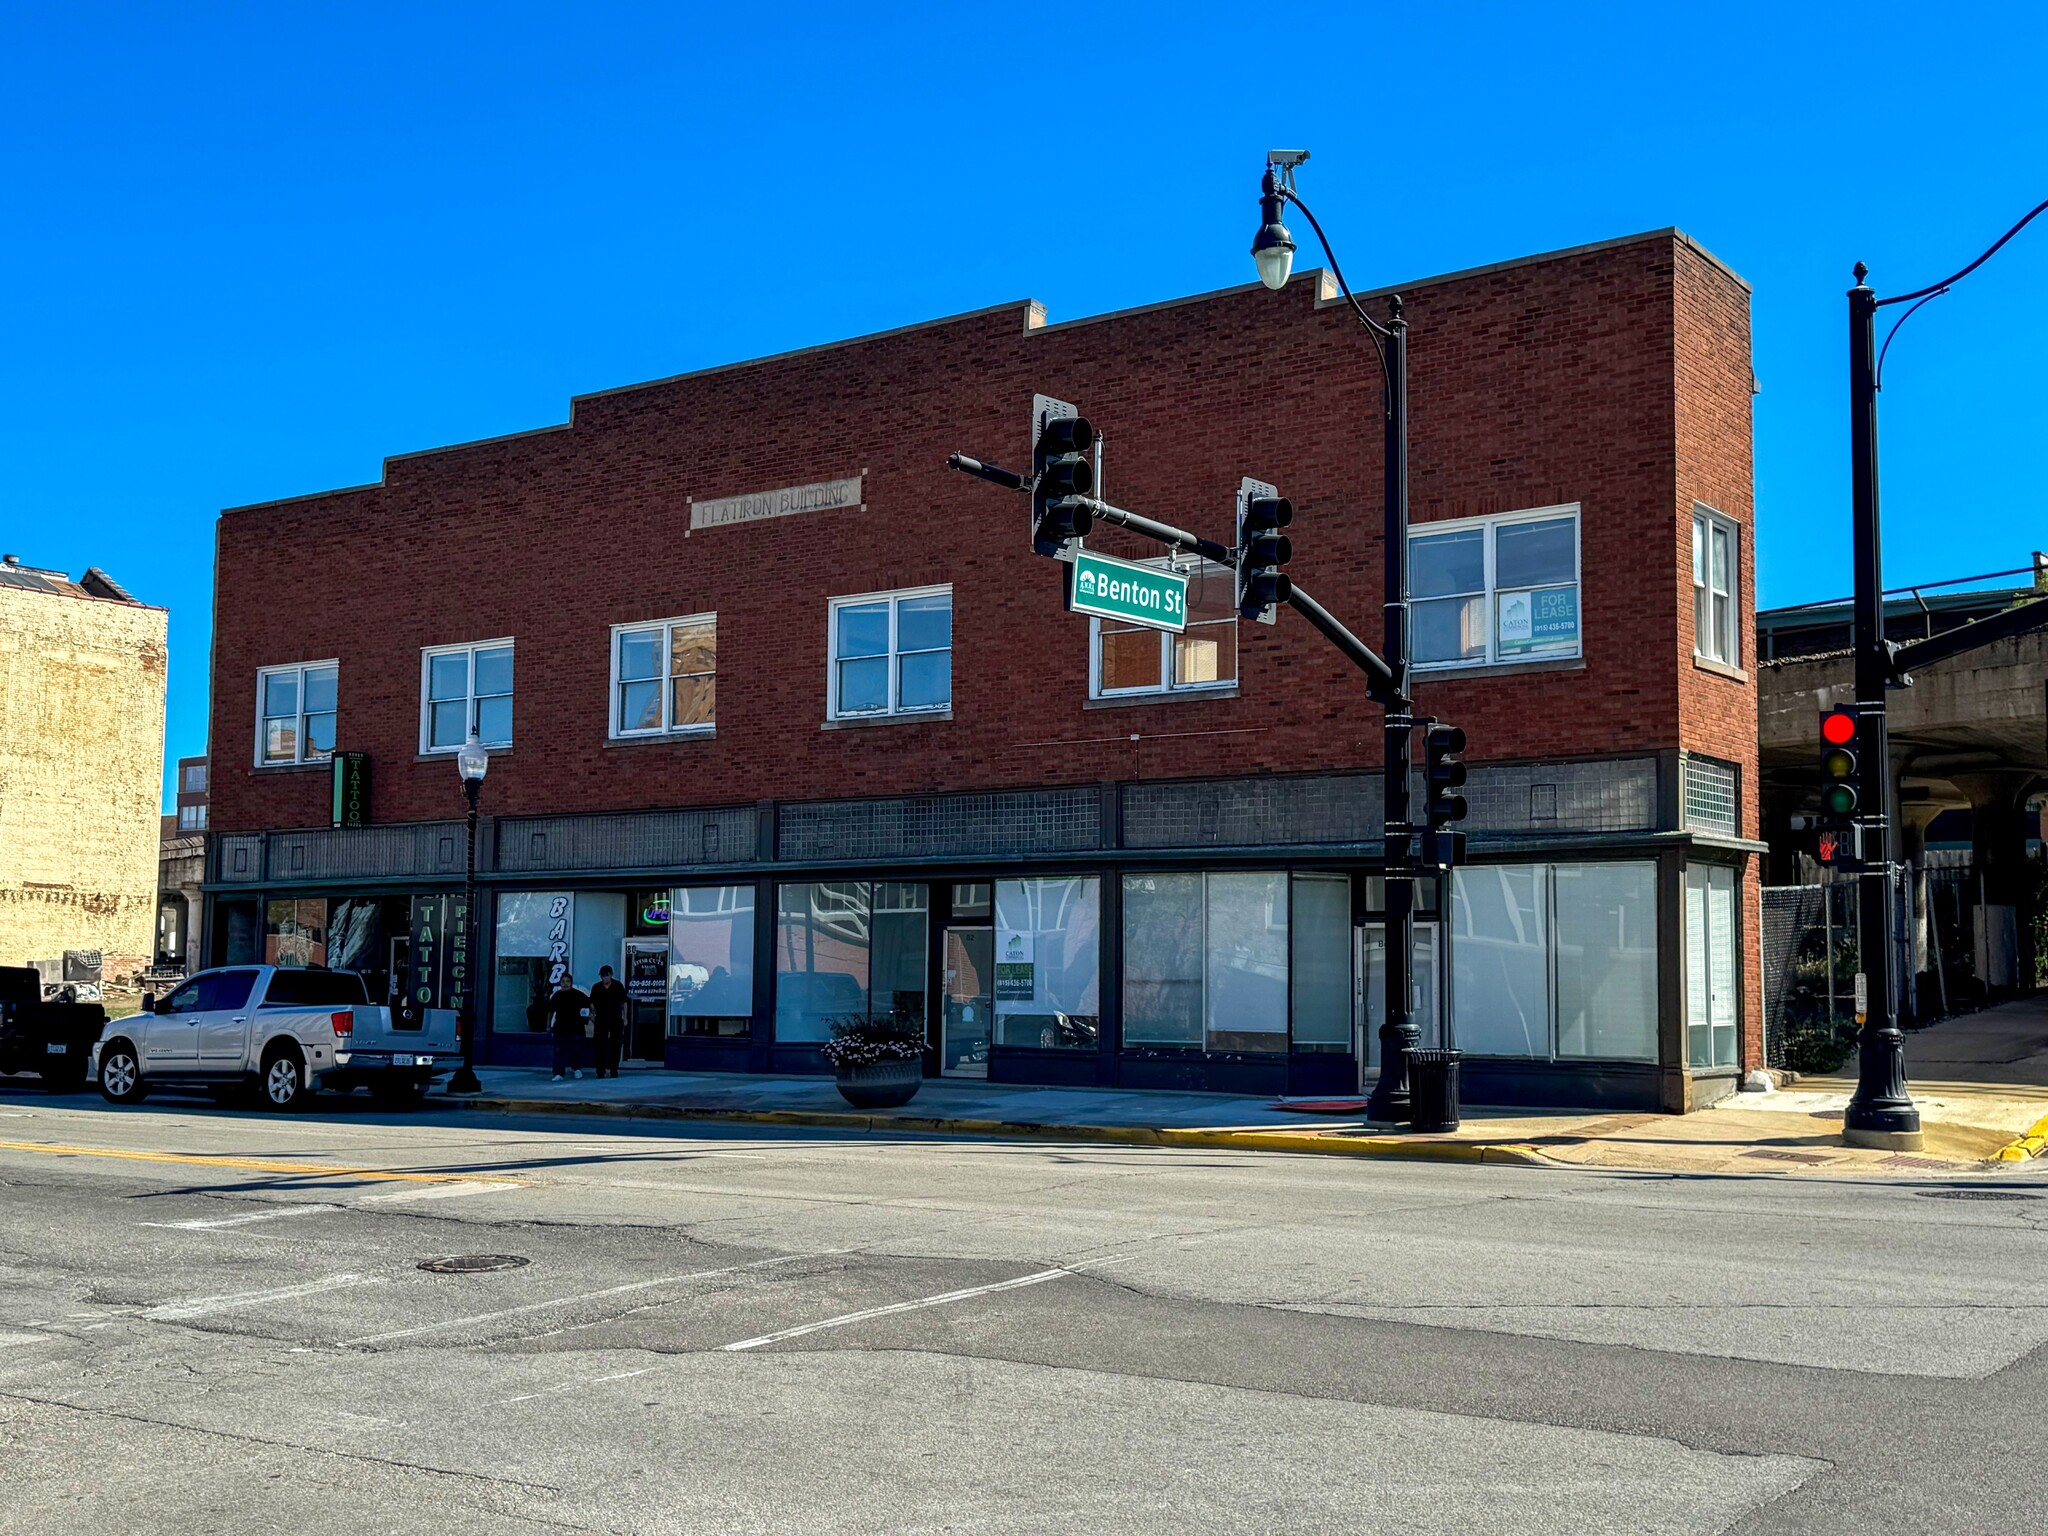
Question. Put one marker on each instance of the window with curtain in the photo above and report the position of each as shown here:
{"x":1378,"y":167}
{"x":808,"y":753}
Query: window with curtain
{"x":1711,"y":1025}
{"x":1606,"y":931}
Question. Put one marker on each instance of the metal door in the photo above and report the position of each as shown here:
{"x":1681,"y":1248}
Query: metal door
{"x":970,"y":965}
{"x":224,"y":1023}
{"x":170,"y":1036}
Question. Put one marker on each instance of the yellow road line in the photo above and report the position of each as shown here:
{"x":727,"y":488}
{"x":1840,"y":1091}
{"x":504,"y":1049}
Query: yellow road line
{"x":251,"y":1164}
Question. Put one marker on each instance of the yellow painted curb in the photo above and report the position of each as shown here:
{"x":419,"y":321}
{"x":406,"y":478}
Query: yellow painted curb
{"x":1323,"y":1144}
{"x":2020,"y":1148}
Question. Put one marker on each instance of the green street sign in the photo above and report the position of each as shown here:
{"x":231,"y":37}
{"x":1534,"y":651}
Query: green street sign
{"x":1132,"y":594}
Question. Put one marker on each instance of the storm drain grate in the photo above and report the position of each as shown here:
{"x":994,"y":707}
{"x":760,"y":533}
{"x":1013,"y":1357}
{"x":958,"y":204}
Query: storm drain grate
{"x":473,"y":1263}
{"x":1975,"y":1194}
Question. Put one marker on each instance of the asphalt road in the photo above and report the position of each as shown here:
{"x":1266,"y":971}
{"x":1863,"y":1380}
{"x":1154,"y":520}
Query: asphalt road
{"x":741,"y":1332}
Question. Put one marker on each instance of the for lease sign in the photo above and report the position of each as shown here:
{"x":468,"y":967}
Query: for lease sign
{"x":1134,"y":594}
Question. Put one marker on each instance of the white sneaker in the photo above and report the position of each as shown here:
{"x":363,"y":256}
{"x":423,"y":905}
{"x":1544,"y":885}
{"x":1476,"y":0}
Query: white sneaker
{"x":556,"y":1078}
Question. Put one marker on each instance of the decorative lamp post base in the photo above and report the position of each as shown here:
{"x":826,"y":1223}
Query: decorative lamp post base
{"x":464,"y":1081}
{"x":1882,"y":1113}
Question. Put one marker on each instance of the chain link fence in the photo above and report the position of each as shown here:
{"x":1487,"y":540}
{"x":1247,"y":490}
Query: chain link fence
{"x":1811,"y":956}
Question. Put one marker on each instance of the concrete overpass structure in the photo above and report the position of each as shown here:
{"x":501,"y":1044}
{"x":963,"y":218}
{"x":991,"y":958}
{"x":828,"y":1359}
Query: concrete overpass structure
{"x":1970,"y":734}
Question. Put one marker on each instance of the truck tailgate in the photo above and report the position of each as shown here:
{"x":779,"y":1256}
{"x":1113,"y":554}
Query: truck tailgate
{"x":376,"y":1031}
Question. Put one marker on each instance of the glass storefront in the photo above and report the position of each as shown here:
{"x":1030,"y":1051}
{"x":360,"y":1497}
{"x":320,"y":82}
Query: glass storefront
{"x":535,"y":940}
{"x":1555,"y":961}
{"x":1048,"y":963}
{"x":711,"y":960}
{"x":849,"y":949}
{"x":1206,"y":960}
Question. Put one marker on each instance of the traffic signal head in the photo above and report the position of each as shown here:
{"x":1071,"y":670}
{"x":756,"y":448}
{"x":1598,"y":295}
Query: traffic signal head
{"x":1261,"y":550}
{"x":1059,"y":471}
{"x":1443,"y":774}
{"x":1838,"y":744}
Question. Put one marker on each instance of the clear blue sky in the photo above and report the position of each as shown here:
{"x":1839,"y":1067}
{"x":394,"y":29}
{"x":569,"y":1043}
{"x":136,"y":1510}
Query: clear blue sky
{"x":247,"y":251}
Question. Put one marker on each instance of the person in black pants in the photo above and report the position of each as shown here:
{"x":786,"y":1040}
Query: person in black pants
{"x":568,"y":1016}
{"x":608,"y":1020}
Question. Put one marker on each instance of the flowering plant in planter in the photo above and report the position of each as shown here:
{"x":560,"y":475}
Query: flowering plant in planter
{"x":858,"y":1041}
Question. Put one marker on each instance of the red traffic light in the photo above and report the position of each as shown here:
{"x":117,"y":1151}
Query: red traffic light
{"x":1838,"y":727}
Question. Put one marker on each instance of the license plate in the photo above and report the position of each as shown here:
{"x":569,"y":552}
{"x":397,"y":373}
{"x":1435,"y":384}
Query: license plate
{"x":401,"y":1061}
{"x":55,"y":1048}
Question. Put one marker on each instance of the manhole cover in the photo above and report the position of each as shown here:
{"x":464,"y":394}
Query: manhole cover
{"x":1976,"y":1194}
{"x":473,"y":1263}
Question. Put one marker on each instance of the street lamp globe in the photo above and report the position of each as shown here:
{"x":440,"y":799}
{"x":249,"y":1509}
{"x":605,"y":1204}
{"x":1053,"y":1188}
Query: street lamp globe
{"x":1273,"y":251}
{"x":473,"y":762}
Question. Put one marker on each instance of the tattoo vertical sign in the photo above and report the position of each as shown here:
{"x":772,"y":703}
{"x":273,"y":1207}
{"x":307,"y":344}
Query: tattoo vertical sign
{"x":456,"y":927}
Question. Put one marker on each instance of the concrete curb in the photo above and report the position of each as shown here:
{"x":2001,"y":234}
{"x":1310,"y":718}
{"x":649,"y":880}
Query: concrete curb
{"x":1320,"y":1144}
{"x":2020,"y":1148}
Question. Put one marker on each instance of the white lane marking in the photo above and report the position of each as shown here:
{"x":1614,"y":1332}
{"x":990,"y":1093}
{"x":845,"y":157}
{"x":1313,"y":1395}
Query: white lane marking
{"x":239,"y":1221}
{"x":799,"y":1331}
{"x":438,"y":1191}
{"x":572,"y":1386}
{"x":564,"y":1301}
{"x":201,"y":1306}
{"x":23,"y":1338}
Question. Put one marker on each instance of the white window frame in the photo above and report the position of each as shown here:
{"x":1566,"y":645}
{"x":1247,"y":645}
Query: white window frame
{"x":1167,"y":687}
{"x":186,"y":774}
{"x":300,"y":752}
{"x":192,"y":818}
{"x":1491,"y":598}
{"x":1706,"y":522}
{"x":894,"y":710}
{"x":468,"y":649}
{"x":666,"y":628}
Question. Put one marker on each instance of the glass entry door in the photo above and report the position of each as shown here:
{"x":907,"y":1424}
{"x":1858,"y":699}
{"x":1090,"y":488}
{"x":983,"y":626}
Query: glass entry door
{"x":1425,"y":977}
{"x":970,"y":964}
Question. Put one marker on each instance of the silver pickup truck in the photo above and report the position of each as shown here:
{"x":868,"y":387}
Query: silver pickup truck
{"x":287,"y":1032}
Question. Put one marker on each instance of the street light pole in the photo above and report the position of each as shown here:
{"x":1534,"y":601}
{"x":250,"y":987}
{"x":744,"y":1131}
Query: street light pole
{"x":1273,"y":251}
{"x":472,"y":762}
{"x":1881,"y":1113}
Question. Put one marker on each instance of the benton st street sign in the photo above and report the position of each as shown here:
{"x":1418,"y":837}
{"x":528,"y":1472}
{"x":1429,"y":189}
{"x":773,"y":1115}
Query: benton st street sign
{"x":1133,"y":594}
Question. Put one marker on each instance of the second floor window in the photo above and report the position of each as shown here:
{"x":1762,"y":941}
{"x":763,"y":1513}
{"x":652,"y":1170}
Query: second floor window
{"x":665,"y":676}
{"x":465,"y":687}
{"x":1501,"y":589}
{"x":1714,"y":588}
{"x":892,"y":654}
{"x":191,"y":818}
{"x":1129,"y":660}
{"x":295,"y":713}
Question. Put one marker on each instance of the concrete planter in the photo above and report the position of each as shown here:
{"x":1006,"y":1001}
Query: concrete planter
{"x":881,"y":1084}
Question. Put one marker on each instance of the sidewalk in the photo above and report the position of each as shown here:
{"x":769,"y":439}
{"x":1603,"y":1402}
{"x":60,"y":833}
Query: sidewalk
{"x":1754,"y":1133}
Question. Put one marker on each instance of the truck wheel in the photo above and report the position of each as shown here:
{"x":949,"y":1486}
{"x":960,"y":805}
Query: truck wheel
{"x":121,"y":1074}
{"x":284,"y":1079}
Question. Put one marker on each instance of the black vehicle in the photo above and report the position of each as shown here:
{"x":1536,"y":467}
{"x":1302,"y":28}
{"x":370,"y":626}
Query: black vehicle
{"x":53,"y":1040}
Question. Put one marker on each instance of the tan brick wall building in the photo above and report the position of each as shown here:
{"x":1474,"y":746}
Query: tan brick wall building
{"x":82,"y":670}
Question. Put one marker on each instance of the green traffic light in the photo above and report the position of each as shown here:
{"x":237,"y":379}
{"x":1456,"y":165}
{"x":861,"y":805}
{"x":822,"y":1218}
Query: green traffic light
{"x":1838,"y":799}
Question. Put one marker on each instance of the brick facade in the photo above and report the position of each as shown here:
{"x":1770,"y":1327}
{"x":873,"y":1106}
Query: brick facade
{"x":1613,"y":377}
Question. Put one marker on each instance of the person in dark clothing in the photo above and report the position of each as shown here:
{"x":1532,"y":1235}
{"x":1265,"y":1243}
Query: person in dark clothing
{"x":607,"y":1019}
{"x":568,"y":1016}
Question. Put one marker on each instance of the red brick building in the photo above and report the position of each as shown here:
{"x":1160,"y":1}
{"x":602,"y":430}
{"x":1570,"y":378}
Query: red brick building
{"x":793,"y":725}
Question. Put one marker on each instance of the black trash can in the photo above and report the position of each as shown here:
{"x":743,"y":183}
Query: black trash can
{"x":1433,"y":1090}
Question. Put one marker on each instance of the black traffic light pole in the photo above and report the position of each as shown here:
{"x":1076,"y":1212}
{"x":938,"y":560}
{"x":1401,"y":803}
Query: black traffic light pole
{"x":1390,"y":1099}
{"x":1881,"y":1113}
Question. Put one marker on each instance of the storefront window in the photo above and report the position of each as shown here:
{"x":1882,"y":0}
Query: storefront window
{"x":849,"y":949}
{"x":1425,"y":976}
{"x":710,"y":960}
{"x":1205,"y":961}
{"x":535,"y":932}
{"x":1555,"y":960}
{"x":1710,"y":1025}
{"x":1048,"y":979}
{"x":1607,"y":960}
{"x":295,"y":932}
{"x":1321,"y":961}
{"x":1500,"y":984}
